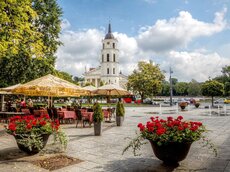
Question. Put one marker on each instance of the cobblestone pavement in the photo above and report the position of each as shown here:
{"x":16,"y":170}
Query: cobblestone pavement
{"x":103,"y":153}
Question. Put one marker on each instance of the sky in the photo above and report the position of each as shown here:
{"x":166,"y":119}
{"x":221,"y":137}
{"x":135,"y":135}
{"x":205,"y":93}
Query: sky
{"x":191,"y":36}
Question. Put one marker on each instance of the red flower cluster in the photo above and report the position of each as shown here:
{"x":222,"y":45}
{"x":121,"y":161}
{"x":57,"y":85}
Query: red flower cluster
{"x":171,"y":129}
{"x":26,"y":124}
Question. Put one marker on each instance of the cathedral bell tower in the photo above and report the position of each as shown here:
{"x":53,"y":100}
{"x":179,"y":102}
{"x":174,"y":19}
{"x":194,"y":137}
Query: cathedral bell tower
{"x":109,"y":59}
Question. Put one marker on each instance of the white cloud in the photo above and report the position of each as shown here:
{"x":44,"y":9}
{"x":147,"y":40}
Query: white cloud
{"x":188,"y":65}
{"x":82,"y":48}
{"x":178,"y":32}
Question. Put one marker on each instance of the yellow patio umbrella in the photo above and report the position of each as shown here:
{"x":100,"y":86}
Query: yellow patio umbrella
{"x":6,"y":91}
{"x":90,"y":93}
{"x":50,"y":86}
{"x":90,"y":89}
{"x":10,"y":88}
{"x":111,"y":90}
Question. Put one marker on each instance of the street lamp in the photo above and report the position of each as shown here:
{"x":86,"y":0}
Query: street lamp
{"x":171,"y":90}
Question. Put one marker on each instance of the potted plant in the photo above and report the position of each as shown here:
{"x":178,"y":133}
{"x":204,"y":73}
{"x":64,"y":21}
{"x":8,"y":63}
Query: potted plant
{"x":97,"y":119}
{"x":183,"y":105}
{"x":32,"y":133}
{"x":197,"y":104}
{"x":170,"y":139}
{"x":120,"y":112}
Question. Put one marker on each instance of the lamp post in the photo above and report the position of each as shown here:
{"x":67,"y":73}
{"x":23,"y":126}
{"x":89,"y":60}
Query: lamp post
{"x":171,"y":90}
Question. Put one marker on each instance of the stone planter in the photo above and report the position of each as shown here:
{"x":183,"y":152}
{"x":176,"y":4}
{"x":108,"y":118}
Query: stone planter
{"x":182,"y":107}
{"x":172,"y":153}
{"x":97,"y":128}
{"x":34,"y":150}
{"x":197,"y":105}
{"x":119,"y":120}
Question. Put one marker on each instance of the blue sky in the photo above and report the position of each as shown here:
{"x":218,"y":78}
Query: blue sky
{"x":192,"y":36}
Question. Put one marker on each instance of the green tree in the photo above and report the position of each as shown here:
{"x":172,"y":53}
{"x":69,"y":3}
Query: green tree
{"x":19,"y":69}
{"x":97,"y":115}
{"x":194,"y":88}
{"x":174,"y":81}
{"x":181,"y":88}
{"x":165,"y":89}
{"x":225,"y":79}
{"x":35,"y":21}
{"x":212,"y":88}
{"x":146,"y":80}
{"x":18,"y":34}
{"x":66,"y":76}
{"x":120,"y":110}
{"x":48,"y":23}
{"x":227,"y":88}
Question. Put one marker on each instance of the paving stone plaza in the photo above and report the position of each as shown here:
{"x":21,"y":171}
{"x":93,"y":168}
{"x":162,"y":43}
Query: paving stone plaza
{"x":104,"y":153}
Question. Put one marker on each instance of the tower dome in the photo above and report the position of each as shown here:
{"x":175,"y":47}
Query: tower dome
{"x":109,"y":35}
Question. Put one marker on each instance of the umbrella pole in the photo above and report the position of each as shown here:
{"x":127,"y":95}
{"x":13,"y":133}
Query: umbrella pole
{"x":2,"y":103}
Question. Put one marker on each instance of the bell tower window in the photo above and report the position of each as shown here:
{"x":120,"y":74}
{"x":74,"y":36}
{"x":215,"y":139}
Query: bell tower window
{"x":102,"y":58}
{"x":107,"y":57}
{"x":114,"y":57}
{"x":113,"y":45}
{"x":107,"y":70}
{"x":113,"y":70}
{"x":103,"y":46}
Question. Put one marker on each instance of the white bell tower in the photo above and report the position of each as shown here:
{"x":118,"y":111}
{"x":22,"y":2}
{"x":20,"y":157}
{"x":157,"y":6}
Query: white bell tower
{"x":109,"y":59}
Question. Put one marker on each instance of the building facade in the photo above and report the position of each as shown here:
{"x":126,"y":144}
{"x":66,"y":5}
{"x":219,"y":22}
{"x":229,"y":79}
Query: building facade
{"x":108,"y":72}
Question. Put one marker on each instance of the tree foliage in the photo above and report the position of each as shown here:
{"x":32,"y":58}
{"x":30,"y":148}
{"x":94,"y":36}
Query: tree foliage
{"x":19,"y":69}
{"x":194,"y":88}
{"x":48,"y":23}
{"x":146,"y":80}
{"x":225,"y":79}
{"x":28,"y":39}
{"x":18,"y":34}
{"x":212,"y":88}
{"x":120,"y":110}
{"x":165,"y":89}
{"x":66,"y":76}
{"x":181,"y":88}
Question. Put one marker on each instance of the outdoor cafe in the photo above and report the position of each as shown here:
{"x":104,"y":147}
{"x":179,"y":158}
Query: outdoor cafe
{"x":51,"y":86}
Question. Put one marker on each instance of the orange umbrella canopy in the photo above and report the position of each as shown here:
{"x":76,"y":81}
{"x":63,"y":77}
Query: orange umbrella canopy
{"x":50,"y":85}
{"x":111,"y":90}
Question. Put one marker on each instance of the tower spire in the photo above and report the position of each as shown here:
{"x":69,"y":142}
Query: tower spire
{"x":109,"y":35}
{"x":109,"y":30}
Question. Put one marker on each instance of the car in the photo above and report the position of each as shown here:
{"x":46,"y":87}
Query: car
{"x":219,"y":101}
{"x":155,"y":103}
{"x":167,"y":101}
{"x":147,"y":101}
{"x":227,"y":100}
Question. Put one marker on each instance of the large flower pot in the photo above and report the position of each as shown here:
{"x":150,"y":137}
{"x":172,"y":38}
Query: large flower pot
{"x":182,"y":107}
{"x":172,"y":153}
{"x":119,"y":120}
{"x":34,"y":150}
{"x":97,"y":128}
{"x":197,"y":105}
